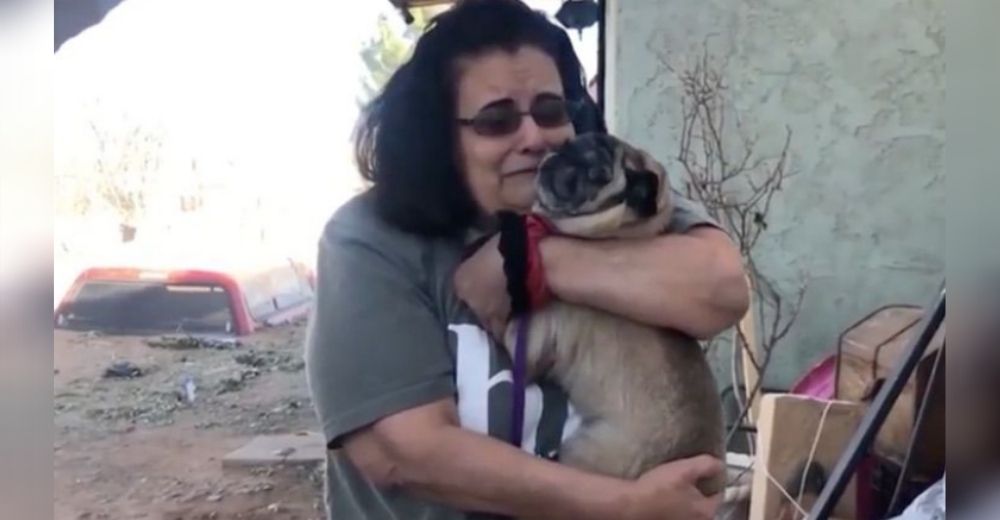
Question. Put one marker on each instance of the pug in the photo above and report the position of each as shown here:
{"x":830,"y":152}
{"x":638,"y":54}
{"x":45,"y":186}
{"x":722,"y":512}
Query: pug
{"x":646,"y":395}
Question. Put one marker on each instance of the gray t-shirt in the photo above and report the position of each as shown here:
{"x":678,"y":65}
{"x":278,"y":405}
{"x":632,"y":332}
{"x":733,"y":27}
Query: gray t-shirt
{"x":388,"y":334}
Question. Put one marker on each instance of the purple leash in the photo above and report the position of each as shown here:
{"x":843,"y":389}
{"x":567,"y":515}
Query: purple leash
{"x":513,"y":246}
{"x":520,"y":367}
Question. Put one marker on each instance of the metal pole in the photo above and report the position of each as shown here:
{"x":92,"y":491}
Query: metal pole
{"x":915,"y":436}
{"x":601,"y":49}
{"x":862,"y":440}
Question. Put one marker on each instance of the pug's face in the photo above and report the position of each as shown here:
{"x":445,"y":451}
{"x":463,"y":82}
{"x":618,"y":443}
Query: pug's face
{"x":596,"y":186}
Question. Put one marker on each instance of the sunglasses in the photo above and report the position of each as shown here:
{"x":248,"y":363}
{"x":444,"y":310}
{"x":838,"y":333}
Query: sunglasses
{"x":504,"y":117}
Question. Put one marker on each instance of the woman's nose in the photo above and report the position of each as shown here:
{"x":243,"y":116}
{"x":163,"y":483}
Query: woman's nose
{"x":532,"y":140}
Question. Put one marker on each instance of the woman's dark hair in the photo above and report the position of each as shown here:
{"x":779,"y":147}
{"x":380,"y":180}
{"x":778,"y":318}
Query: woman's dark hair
{"x":405,"y":139}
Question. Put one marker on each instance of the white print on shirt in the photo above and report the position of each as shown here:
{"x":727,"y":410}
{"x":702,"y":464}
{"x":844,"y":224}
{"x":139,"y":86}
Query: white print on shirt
{"x":474,"y":383}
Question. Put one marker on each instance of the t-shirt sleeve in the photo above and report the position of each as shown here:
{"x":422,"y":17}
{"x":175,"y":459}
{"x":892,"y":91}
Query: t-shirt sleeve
{"x":688,"y":214}
{"x":374,"y":345}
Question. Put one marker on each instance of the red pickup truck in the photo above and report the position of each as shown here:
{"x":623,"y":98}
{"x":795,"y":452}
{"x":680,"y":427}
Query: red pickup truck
{"x":140,"y":300}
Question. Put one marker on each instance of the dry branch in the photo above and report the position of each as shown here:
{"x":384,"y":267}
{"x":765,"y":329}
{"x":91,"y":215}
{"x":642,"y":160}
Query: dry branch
{"x":737,"y":186}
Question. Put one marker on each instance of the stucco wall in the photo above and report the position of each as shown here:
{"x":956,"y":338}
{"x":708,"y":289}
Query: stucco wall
{"x":861,"y":84}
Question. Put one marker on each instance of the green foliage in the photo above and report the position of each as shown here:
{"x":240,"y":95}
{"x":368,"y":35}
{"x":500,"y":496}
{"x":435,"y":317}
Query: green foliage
{"x":388,"y":49}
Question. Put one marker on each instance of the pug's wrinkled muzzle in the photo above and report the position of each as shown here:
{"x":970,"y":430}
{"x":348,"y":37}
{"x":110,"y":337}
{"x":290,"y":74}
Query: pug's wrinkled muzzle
{"x":575,"y":175}
{"x":572,"y":185}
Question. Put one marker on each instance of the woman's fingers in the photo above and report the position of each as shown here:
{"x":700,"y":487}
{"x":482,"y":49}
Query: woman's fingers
{"x":701,"y":467}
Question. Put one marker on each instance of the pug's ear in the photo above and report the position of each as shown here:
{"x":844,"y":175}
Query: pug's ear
{"x":642,"y":189}
{"x":607,"y":143}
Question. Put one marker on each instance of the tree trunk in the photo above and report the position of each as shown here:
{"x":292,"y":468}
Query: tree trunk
{"x":128,"y":232}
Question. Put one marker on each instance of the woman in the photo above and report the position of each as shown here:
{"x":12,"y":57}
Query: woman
{"x":412,"y":393}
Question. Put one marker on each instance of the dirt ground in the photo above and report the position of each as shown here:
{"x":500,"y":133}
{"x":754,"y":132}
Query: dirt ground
{"x":151,"y":445}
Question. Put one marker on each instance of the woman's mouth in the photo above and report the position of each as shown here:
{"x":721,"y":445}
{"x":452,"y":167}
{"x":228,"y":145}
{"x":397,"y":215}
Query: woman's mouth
{"x":533,"y":169}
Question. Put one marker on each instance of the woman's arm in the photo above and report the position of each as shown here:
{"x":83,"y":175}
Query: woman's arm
{"x":693,"y":282}
{"x":423,"y":451}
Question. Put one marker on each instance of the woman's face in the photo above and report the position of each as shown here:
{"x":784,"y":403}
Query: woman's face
{"x":500,"y":169}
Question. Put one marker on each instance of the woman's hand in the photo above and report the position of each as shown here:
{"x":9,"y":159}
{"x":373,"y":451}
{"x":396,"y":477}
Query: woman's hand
{"x":481,"y":284}
{"x":669,"y":491}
